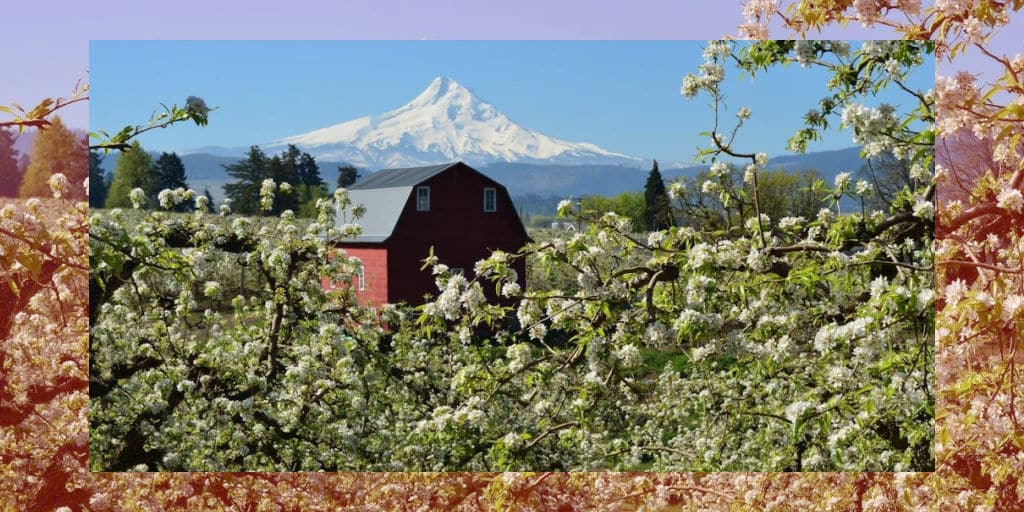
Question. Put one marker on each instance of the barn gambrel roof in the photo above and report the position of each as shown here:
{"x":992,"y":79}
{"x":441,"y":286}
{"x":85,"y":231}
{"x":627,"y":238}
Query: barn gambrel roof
{"x":401,"y":177}
{"x":384,"y":194}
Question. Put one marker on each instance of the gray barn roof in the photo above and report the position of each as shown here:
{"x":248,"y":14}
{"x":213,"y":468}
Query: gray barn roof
{"x":384,"y":194}
{"x":403,"y":177}
{"x":383,"y":207}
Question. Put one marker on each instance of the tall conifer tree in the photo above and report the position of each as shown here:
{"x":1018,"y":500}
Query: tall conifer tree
{"x":169,"y":173}
{"x":249,"y":174}
{"x":657,"y":209}
{"x":10,"y":173}
{"x":97,"y":181}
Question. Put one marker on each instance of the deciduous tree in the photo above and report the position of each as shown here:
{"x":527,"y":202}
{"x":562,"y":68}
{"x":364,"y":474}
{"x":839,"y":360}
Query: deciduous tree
{"x":56,"y":150}
{"x":134,"y":169}
{"x":347,"y":175}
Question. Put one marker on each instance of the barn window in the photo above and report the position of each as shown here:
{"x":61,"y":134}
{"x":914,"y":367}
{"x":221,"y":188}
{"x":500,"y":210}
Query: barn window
{"x":490,"y":199}
{"x":360,"y":274}
{"x":423,"y":199}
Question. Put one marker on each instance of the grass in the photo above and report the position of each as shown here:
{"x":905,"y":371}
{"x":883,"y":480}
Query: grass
{"x":655,"y":359}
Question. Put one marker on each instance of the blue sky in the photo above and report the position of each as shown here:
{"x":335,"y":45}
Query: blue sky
{"x":621,"y":95}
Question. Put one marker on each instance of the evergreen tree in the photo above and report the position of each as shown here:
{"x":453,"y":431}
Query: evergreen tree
{"x":300,"y":170}
{"x":286,"y":168}
{"x":347,"y":175}
{"x":282,"y":168}
{"x":10,"y":173}
{"x":657,"y":208}
{"x":57,"y":149}
{"x":309,"y":172}
{"x":97,"y":181}
{"x":170,"y":174}
{"x":249,"y":173}
{"x":133,"y":169}
{"x":311,"y":186}
{"x":209,"y":200}
{"x":294,"y":167}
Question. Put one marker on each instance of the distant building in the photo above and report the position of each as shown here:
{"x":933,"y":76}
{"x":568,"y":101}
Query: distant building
{"x":461,"y":213}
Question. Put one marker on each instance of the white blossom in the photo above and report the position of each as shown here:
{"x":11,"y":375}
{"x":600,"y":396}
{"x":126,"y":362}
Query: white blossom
{"x":787,"y":223}
{"x":718,"y":169}
{"x":510,"y":289}
{"x":805,"y":52}
{"x":165,"y":198}
{"x":565,"y":207}
{"x":212,"y":289}
{"x":797,"y":410}
{"x":955,"y":291}
{"x":1010,"y":199}
{"x":267,"y":189}
{"x":750,"y":174}
{"x":136,"y":196}
{"x":629,"y":355}
{"x":842,"y":180}
{"x":878,"y":286}
{"x":690,"y":86}
{"x":924,"y":209}
{"x":58,"y":184}
{"x":676,"y":189}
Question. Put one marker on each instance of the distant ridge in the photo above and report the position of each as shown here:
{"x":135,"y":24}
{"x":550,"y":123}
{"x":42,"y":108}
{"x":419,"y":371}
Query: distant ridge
{"x":207,"y":171}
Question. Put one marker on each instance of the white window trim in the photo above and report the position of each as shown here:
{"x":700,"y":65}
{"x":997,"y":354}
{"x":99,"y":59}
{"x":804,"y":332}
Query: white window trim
{"x":360,"y":275}
{"x":494,"y":192}
{"x":418,"y":204}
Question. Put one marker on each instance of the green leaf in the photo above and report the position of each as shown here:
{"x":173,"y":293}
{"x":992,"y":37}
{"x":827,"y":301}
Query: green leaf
{"x":32,"y":262}
{"x":41,"y":109}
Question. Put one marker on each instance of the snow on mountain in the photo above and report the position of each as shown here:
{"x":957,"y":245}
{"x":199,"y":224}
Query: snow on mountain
{"x":445,"y":122}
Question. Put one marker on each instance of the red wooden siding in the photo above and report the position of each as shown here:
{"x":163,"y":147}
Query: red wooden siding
{"x":456,"y":225}
{"x":458,"y":229}
{"x":375,"y":273}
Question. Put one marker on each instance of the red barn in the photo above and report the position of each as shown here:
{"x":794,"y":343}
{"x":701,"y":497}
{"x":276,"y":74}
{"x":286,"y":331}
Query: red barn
{"x":461,"y":213}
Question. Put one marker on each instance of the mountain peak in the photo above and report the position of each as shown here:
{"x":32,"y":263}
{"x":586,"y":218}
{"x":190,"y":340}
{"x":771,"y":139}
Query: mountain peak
{"x":442,"y":83}
{"x":444,"y":90}
{"x":445,"y":122}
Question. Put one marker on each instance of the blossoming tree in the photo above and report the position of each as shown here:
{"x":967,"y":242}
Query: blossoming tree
{"x":979,"y":175}
{"x":806,"y":342}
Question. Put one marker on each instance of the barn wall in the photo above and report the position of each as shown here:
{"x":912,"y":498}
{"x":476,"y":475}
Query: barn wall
{"x":458,"y":229}
{"x":375,"y":269}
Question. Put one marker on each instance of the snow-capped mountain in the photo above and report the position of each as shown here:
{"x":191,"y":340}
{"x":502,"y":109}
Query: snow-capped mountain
{"x":445,"y":122}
